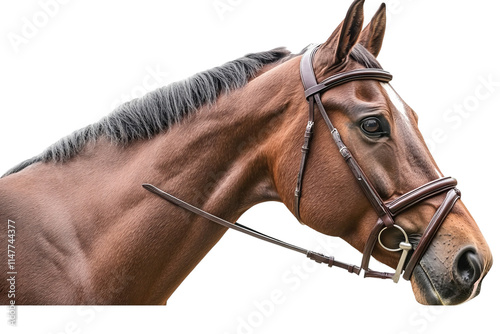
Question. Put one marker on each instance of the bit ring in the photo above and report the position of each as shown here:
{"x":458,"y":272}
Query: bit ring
{"x":392,"y":249}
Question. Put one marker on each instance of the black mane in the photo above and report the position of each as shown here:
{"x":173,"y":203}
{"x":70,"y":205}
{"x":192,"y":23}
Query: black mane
{"x":158,"y":110}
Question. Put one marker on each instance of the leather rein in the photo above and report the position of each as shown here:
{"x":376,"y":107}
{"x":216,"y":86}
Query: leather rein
{"x":386,"y":211}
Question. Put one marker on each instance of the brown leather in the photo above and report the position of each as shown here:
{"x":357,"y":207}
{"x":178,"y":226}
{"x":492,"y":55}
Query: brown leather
{"x":310,"y":79}
{"x":442,"y":212}
{"x":397,"y":206}
{"x":313,"y":91}
{"x":385,"y":211}
{"x":421,"y":193}
{"x":342,"y":78}
{"x":320,"y":258}
{"x":370,"y":244}
{"x":305,"y":150}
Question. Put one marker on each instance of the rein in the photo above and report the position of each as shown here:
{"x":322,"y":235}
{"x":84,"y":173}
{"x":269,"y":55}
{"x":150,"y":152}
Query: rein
{"x":320,"y":258}
{"x":386,"y":211}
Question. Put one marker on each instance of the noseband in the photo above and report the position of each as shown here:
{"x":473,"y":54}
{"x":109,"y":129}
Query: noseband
{"x":386,"y":211}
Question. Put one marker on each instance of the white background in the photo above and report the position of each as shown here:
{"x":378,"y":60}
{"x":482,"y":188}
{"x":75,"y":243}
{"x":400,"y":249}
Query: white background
{"x":87,"y":56}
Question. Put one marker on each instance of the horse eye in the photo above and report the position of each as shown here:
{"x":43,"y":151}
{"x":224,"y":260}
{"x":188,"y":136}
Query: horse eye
{"x":371,"y":126}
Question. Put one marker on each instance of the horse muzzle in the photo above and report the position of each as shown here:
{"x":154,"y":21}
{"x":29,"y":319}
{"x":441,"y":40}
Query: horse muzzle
{"x":435,"y":283}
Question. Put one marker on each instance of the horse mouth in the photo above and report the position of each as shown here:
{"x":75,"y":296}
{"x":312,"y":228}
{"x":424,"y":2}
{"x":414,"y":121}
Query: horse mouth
{"x":427,"y":294}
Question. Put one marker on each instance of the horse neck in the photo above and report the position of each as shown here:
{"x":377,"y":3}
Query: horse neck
{"x":217,"y":159}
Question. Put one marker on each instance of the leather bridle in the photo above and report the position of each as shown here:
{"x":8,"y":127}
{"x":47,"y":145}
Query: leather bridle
{"x":386,"y":211}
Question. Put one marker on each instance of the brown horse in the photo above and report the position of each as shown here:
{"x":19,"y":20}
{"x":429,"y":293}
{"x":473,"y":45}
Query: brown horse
{"x":86,"y":232}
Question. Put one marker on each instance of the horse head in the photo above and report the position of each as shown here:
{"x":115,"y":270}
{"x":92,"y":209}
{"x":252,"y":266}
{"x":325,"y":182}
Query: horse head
{"x":381,"y":132}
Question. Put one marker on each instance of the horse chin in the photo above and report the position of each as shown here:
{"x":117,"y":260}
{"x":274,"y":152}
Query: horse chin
{"x":424,"y":290}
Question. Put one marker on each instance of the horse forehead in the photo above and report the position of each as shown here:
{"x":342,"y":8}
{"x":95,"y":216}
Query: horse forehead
{"x":396,"y":100}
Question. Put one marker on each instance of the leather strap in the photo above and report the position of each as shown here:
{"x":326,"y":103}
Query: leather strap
{"x":354,"y":75}
{"x":300,"y":176}
{"x":421,"y":193}
{"x":310,"y":79}
{"x":437,"y":220}
{"x":318,"y":257}
{"x":367,"y":252}
{"x":385,"y":211}
{"x":312,"y":92}
{"x":403,"y":202}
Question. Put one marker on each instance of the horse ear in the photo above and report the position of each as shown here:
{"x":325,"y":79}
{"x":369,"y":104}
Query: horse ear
{"x":373,"y":34}
{"x":347,"y":33}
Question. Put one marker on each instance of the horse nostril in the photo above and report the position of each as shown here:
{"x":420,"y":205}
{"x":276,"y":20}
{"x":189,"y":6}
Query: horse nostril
{"x":468,"y":267}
